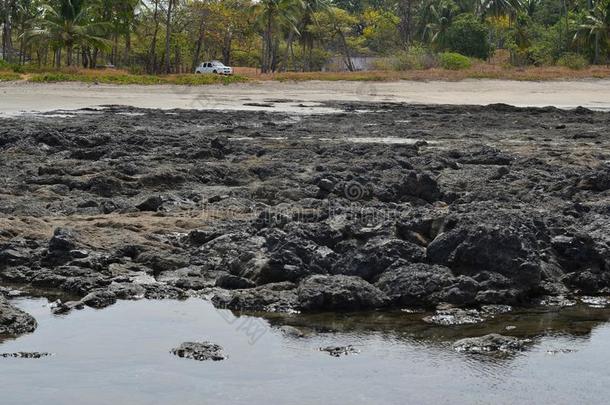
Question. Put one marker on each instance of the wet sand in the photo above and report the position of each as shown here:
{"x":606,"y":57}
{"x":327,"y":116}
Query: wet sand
{"x":19,"y":97}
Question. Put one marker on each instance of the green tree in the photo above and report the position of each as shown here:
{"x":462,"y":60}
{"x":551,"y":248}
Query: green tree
{"x":468,"y":36}
{"x":436,"y":17}
{"x":596,"y":27}
{"x":271,"y":16}
{"x":381,"y":30}
{"x":335,"y":26}
{"x":67,"y":25}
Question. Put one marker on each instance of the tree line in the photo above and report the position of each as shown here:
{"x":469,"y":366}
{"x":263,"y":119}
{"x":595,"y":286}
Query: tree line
{"x":173,"y":36}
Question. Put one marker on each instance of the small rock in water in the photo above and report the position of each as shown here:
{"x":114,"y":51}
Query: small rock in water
{"x":338,"y":351}
{"x":200,"y":351}
{"x":595,"y":302}
{"x":559,"y":351}
{"x":557,"y":301}
{"x":495,"y":309}
{"x":58,"y":307}
{"x":293,"y":332}
{"x":490,"y":344}
{"x":454,"y":316}
{"x":26,"y":355}
{"x":10,"y":293}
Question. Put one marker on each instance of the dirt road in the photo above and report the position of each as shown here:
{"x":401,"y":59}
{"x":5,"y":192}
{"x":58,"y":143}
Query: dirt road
{"x":17,"y":97}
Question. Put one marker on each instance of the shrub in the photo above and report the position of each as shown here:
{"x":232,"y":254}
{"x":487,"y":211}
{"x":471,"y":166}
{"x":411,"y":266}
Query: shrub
{"x":468,"y":36}
{"x":198,"y":80}
{"x":454,"y":61}
{"x":4,"y":65}
{"x":573,"y":61}
{"x":136,"y":70}
{"x":9,"y":76}
{"x":415,"y":58}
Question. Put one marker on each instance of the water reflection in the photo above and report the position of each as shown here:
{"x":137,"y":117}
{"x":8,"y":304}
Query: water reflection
{"x":122,"y":354}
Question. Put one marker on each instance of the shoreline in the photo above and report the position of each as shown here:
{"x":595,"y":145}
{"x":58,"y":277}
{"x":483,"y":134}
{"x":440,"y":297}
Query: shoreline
{"x":273,"y":96}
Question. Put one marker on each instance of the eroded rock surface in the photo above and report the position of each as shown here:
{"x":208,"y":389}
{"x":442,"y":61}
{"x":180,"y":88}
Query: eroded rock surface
{"x":264,"y":211}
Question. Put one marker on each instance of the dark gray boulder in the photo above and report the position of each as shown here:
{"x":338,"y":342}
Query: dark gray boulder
{"x":338,"y":293}
{"x":503,"y":244}
{"x":417,"y":284}
{"x":63,"y":240}
{"x":99,"y":299}
{"x":152,"y":204}
{"x":231,"y":282}
{"x":14,"y":321}
{"x":414,"y":184}
{"x":274,"y":297}
{"x":376,"y":256}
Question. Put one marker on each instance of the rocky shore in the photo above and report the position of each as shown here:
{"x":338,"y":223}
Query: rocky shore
{"x":377,"y":206}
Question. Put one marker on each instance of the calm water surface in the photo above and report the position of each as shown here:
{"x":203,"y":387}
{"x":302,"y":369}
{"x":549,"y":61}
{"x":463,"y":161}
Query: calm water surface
{"x":121,"y":355}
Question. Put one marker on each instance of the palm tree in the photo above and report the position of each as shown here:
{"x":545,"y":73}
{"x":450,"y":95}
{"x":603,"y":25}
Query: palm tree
{"x":435,"y":19}
{"x":499,"y":8}
{"x":530,"y":6}
{"x":271,"y":15}
{"x":68,"y":25}
{"x":307,"y":19}
{"x":405,"y":11}
{"x":597,"y":26}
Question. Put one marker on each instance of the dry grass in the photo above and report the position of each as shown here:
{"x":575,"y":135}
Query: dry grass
{"x":479,"y":71}
{"x":494,"y":70}
{"x":107,"y":231}
{"x":116,"y":76}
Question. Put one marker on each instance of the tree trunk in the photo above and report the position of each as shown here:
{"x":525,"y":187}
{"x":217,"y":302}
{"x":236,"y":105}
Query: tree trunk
{"x":405,"y":26}
{"x":288,"y":48}
{"x":226,"y":47}
{"x":69,"y":49}
{"x":348,"y":58}
{"x":22,"y":49}
{"x":268,"y":44}
{"x":127,"y":54}
{"x":567,"y":17}
{"x":199,"y":43}
{"x":85,"y":58}
{"x":152,"y":57}
{"x":274,"y":54}
{"x":596,"y":61}
{"x":177,"y":59}
{"x":168,"y":34}
{"x":7,"y":31}
{"x":58,"y":58}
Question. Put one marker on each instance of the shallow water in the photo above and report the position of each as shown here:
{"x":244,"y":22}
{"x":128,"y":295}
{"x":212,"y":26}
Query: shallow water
{"x":121,"y":354}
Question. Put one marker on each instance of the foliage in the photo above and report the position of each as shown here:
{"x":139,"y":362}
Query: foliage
{"x":9,"y":76}
{"x":573,"y":61}
{"x":381,"y":30}
{"x":124,"y":78}
{"x":454,"y":61}
{"x":468,"y":36}
{"x":596,"y":28}
{"x":173,"y":36}
{"x":68,"y":24}
{"x":417,"y":57}
{"x":435,"y":19}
